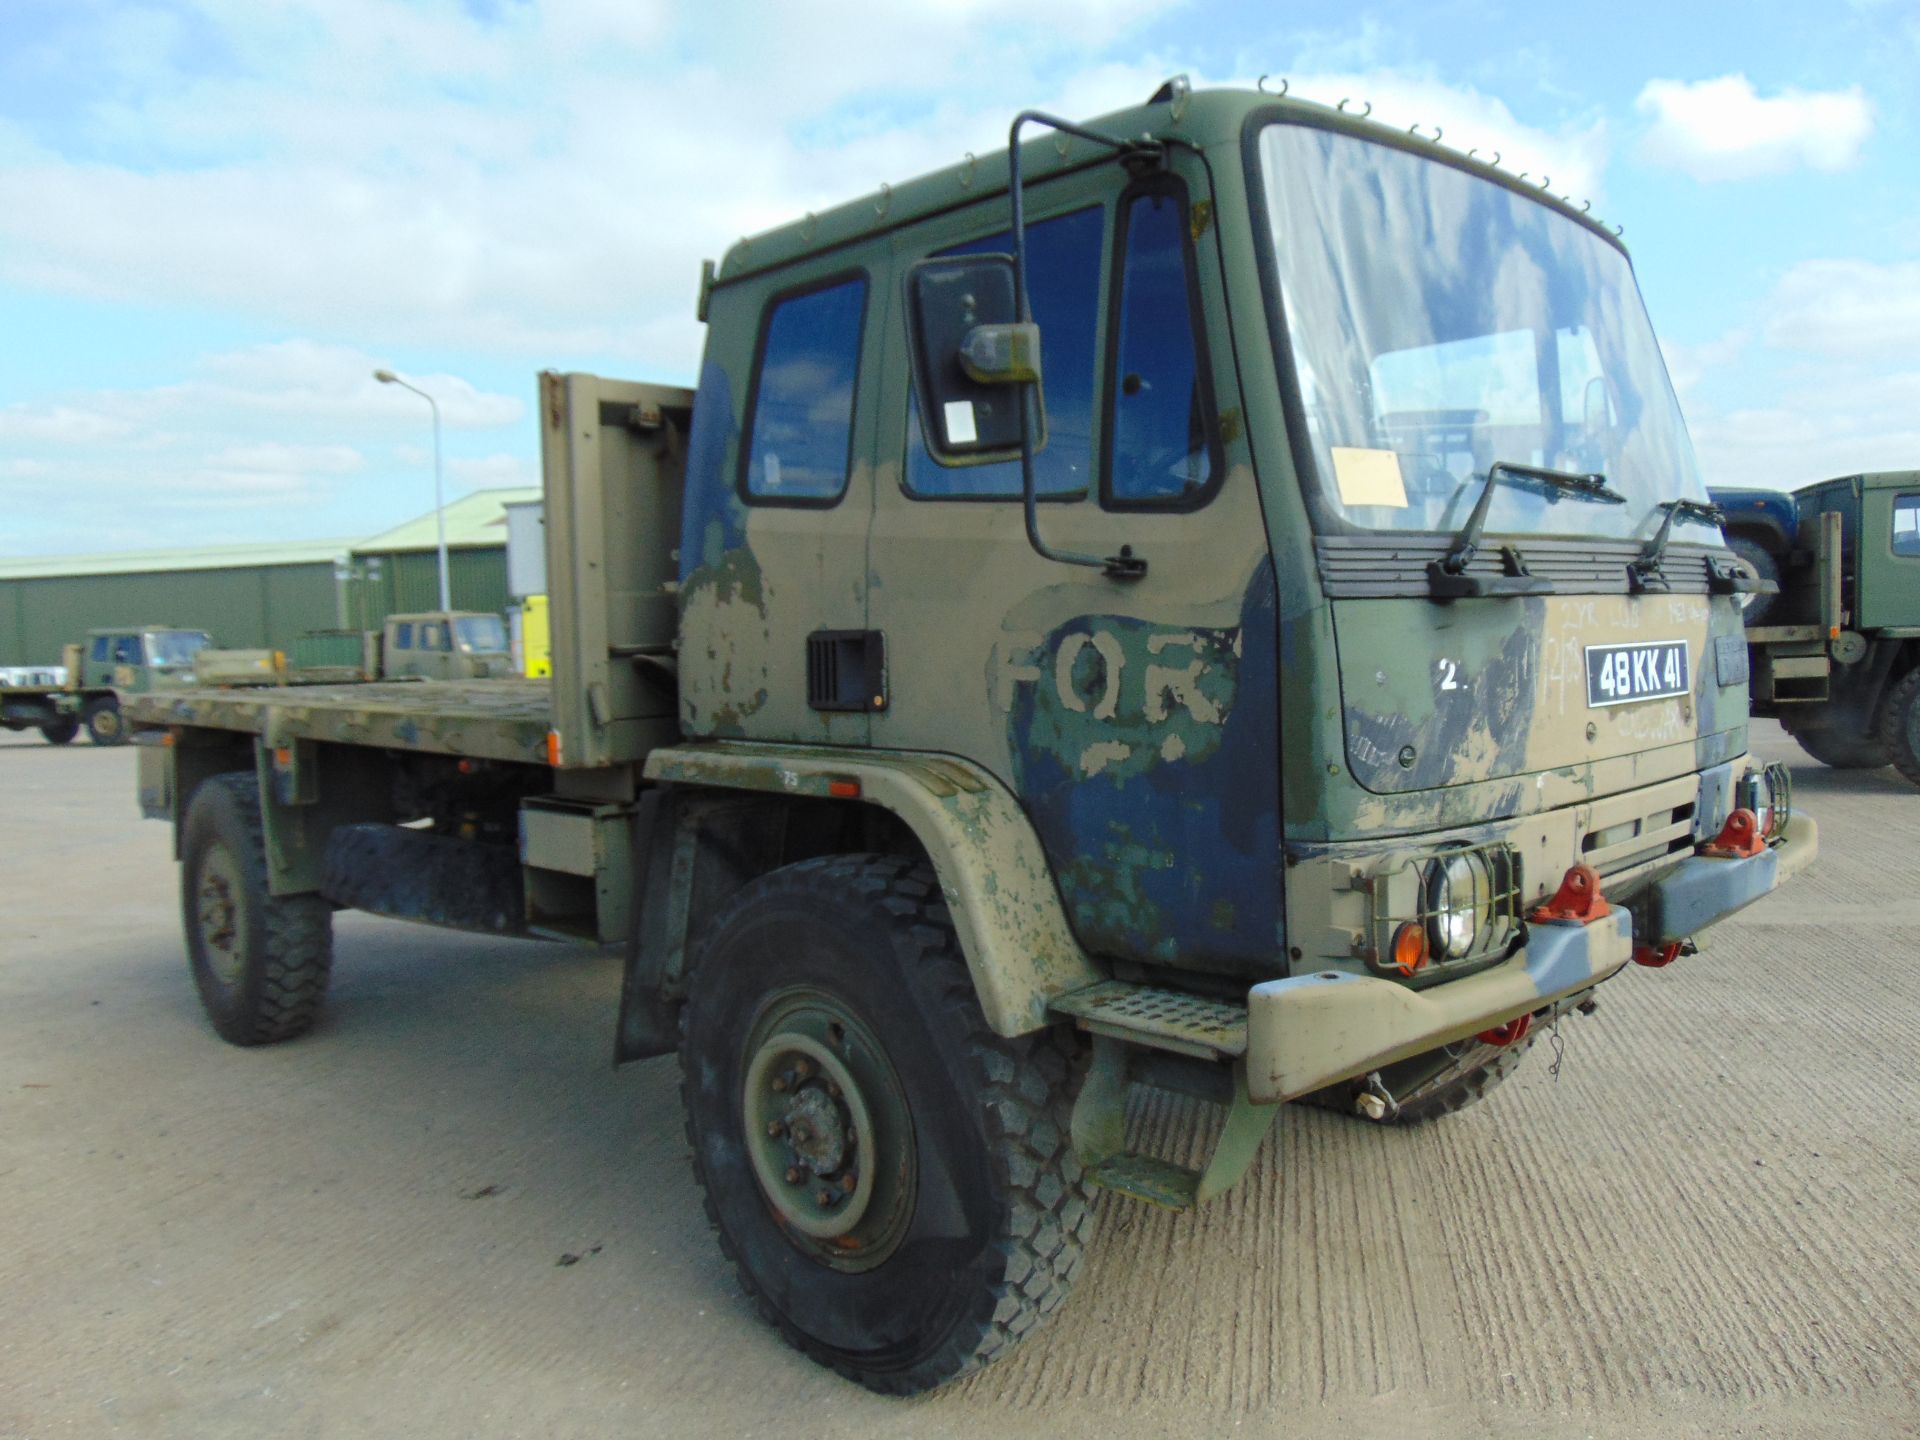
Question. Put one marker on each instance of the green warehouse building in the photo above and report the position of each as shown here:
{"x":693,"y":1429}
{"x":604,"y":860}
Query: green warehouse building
{"x":248,"y":596}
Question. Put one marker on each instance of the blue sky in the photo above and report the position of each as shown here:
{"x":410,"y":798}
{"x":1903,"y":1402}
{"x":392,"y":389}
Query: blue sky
{"x":218,"y":216}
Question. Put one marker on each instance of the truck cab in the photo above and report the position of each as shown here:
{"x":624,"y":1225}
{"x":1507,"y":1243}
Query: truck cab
{"x":445,"y":645}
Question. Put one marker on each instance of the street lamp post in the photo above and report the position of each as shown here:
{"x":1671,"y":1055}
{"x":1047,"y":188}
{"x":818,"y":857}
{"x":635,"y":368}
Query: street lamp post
{"x":387,"y":377}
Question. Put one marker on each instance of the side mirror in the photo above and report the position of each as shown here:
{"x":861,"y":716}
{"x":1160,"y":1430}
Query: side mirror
{"x":971,"y":356}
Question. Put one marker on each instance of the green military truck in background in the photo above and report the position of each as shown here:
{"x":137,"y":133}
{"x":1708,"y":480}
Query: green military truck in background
{"x":109,"y":663}
{"x":1217,"y":598}
{"x":1836,"y":653}
{"x":424,"y":645}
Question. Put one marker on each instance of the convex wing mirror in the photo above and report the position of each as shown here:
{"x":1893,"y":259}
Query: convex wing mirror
{"x":972,"y":356}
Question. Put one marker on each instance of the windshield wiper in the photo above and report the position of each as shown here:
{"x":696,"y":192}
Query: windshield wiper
{"x":1643,"y":574}
{"x":1448,"y":579}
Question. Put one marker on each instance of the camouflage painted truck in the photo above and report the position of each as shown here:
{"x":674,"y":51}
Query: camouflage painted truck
{"x":109,"y":663}
{"x":1836,"y":652}
{"x":1309,"y":682}
{"x":424,"y":645}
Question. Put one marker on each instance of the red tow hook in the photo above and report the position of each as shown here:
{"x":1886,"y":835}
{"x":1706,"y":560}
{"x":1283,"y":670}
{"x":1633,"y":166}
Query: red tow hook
{"x":1739,"y":838}
{"x":1653,"y":957}
{"x":1504,"y":1035}
{"x":1578,"y":901}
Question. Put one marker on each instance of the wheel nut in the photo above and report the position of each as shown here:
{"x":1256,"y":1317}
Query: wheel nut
{"x":793,"y":1175}
{"x":779,"y":1084}
{"x":833,"y":1089}
{"x":802,"y":1068}
{"x":826,"y":1197}
{"x":774,"y":1128}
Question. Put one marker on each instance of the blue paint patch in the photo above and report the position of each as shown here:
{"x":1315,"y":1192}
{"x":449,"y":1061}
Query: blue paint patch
{"x":713,"y":520}
{"x":1163,"y":829}
{"x":1560,"y":956}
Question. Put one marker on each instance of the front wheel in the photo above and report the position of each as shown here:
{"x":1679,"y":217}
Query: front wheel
{"x":1757,"y":559}
{"x":103,"y":721}
{"x":1900,"y":726}
{"x":1838,"y":750}
{"x":260,"y":961}
{"x":61,"y":734}
{"x":1426,"y":1087}
{"x":894,"y":1183}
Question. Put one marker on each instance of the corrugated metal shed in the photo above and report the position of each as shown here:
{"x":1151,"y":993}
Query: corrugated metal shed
{"x":258,"y":595}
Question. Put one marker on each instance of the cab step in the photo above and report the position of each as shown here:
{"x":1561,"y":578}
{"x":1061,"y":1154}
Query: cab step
{"x":1167,"y":1038}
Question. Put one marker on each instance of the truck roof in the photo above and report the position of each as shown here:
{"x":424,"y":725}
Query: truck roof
{"x":1204,"y":118}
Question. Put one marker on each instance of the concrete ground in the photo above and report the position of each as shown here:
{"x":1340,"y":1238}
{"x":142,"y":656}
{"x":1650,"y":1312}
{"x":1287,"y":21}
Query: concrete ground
{"x":443,"y":1214}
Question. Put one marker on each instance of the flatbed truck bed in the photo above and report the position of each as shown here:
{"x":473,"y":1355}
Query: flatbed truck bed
{"x":481,"y":720}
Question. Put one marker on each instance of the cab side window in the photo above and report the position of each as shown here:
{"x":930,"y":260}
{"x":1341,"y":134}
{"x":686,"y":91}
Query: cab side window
{"x":1164,"y":450}
{"x":100,"y":648}
{"x":1906,"y":525}
{"x":126,"y":649}
{"x":800,"y":431}
{"x":403,"y":635}
{"x":1063,"y":289}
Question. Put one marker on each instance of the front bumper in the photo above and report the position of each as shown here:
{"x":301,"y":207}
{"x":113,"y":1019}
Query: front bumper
{"x":1310,"y":1031}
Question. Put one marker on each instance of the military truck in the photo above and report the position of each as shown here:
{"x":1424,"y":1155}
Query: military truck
{"x":1311,"y":682}
{"x":1836,"y":653}
{"x":111,"y":662}
{"x":428,"y":645}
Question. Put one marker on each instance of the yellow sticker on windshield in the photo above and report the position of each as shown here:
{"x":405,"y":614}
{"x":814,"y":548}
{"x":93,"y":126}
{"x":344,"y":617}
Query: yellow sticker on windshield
{"x":1369,"y":477}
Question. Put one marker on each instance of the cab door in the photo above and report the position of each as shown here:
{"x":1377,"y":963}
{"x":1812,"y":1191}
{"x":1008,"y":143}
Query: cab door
{"x":1135,"y":719}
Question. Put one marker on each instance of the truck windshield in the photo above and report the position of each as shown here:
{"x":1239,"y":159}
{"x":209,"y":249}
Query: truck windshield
{"x":174,"y":647}
{"x":1439,"y":322}
{"x":480,"y":633}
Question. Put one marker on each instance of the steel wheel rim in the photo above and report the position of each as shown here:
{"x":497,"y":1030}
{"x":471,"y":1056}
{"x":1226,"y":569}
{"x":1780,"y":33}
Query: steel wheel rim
{"x":220,"y":911}
{"x":828,"y":1131}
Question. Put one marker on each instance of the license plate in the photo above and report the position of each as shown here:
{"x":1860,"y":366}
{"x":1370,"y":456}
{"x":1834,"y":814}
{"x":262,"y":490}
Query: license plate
{"x":1621,"y":674}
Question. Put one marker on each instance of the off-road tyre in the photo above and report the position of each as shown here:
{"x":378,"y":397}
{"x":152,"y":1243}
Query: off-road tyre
{"x":105,"y":724}
{"x":260,"y":962}
{"x":1900,"y":725}
{"x":999,"y":1219}
{"x":61,"y":734}
{"x":1429,"y":1086}
{"x":1840,"y":751}
{"x":1754,"y":609}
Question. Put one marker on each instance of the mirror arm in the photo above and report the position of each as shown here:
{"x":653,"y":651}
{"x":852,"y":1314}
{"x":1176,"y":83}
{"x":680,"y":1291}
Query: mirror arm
{"x":1126,"y":565}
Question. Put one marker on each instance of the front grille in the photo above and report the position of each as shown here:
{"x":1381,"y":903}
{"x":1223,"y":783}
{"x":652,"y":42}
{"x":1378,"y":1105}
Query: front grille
{"x":1619,"y":847}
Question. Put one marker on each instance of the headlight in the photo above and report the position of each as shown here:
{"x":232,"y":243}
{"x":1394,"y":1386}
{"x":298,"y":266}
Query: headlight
{"x":1456,"y":899}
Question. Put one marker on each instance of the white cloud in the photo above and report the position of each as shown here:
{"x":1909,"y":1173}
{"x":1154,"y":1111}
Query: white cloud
{"x":269,"y":440}
{"x":1723,"y":129}
{"x":1848,"y":308}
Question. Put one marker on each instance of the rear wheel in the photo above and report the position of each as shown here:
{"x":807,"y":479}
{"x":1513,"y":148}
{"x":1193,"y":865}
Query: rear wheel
{"x":60,"y":734}
{"x":894,"y":1183}
{"x":1426,"y":1087}
{"x":1900,"y":726}
{"x":103,"y":721}
{"x":260,"y":961}
{"x":1756,"y":558}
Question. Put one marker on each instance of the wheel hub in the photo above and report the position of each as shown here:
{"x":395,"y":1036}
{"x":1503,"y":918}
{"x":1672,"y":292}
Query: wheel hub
{"x":828,"y":1132}
{"x":219,"y":915}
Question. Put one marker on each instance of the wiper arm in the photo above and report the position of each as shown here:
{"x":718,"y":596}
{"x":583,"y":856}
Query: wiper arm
{"x":1644,"y":573}
{"x":1448,"y":578}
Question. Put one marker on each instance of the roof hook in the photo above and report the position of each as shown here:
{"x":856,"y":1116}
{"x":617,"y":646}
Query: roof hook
{"x":1348,"y":100}
{"x":1261,"y":86}
{"x":1414,"y":130}
{"x":1585,"y":206}
{"x":966,"y":179}
{"x":1545,"y":181}
{"x":1619,"y":230}
{"x":884,"y":200}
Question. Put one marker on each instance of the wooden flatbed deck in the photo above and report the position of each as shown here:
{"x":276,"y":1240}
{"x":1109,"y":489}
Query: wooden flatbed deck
{"x":483,"y":719}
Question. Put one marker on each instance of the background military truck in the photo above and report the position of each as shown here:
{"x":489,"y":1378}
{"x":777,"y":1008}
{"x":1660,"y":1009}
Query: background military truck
{"x":1310,"y":681}
{"x":109,"y":663}
{"x":1836,"y":653}
{"x":427,"y":645}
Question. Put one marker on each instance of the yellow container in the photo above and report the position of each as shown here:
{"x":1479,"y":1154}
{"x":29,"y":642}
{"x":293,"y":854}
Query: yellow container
{"x":536,"y":637}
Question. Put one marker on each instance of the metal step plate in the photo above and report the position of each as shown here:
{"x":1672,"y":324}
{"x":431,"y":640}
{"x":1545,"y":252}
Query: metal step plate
{"x":1163,"y":1019}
